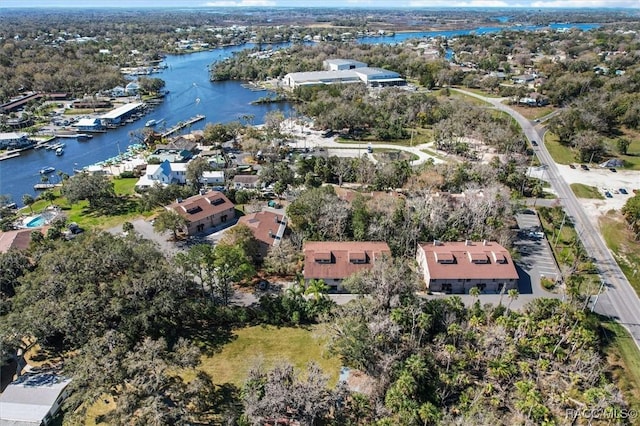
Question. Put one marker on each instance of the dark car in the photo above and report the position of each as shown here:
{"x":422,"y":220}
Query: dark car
{"x":623,"y":191}
{"x":584,"y":167}
{"x":608,"y":194}
{"x":534,"y":143}
{"x":572,"y":166}
{"x":612,"y":169}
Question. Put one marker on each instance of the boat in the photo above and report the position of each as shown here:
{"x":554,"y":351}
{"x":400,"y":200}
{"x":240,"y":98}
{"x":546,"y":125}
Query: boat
{"x":47,"y":170}
{"x":59,"y":151}
{"x":150,"y":123}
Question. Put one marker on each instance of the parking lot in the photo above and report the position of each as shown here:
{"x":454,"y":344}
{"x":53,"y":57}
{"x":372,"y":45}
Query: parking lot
{"x":536,"y":257}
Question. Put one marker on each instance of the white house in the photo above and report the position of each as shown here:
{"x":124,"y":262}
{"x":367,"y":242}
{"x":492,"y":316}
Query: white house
{"x":164,"y":173}
{"x":88,"y":124}
{"x":246,"y":181}
{"x":214,"y":177}
{"x":33,"y":399}
{"x":132,"y":88}
{"x":118,"y":92}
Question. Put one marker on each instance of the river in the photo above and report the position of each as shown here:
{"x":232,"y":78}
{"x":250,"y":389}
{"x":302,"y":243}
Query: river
{"x":190,"y":93}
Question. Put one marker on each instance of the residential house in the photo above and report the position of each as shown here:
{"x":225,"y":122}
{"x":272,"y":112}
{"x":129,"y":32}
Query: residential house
{"x":246,"y":182}
{"x":523,"y":79}
{"x":17,"y":239}
{"x":132,"y":88}
{"x":213,"y":178}
{"x":267,"y":227}
{"x":32,"y":399}
{"x":534,"y":99}
{"x":457,"y":267}
{"x":204,"y":212}
{"x":333,"y":261}
{"x":164,"y":173}
{"x":179,"y":150}
{"x":13,"y":140}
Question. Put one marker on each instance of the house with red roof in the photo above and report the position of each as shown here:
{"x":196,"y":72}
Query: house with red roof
{"x":456,"y":267}
{"x":204,"y":212}
{"x":333,"y":261}
{"x":268,"y":228}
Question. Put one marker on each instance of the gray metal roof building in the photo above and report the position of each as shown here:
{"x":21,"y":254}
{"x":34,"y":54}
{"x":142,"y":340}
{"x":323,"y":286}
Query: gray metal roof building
{"x":370,"y":76}
{"x":33,"y":399}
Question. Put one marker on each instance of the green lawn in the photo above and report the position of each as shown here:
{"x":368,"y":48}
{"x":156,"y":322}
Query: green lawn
{"x":561,"y":154}
{"x":624,"y":358}
{"x":270,"y":345}
{"x":625,"y":250}
{"x":586,"y":191}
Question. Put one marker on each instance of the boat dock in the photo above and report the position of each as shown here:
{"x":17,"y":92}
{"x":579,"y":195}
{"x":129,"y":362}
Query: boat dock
{"x":8,"y":155}
{"x":43,"y":186}
{"x":181,"y":125}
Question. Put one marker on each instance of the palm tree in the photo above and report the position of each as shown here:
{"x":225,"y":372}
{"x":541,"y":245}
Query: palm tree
{"x":316,"y":288}
{"x":513,"y":295}
{"x":28,"y":200}
{"x":295,"y":292}
{"x":475,"y":293}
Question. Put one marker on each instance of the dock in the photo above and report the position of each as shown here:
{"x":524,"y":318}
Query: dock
{"x":181,"y":125}
{"x":43,"y":186}
{"x":8,"y":155}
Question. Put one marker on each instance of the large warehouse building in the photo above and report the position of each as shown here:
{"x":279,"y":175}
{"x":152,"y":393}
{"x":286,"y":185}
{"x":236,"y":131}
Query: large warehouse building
{"x":340,"y":71}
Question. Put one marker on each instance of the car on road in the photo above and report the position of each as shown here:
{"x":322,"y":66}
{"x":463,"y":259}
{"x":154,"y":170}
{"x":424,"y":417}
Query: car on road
{"x":612,"y":169}
{"x":623,"y":191}
{"x":534,"y":143}
{"x":572,"y":166}
{"x":584,"y":167}
{"x":608,"y":194}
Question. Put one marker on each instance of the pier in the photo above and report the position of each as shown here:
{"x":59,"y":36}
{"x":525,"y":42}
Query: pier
{"x":43,"y":186}
{"x":182,"y":125}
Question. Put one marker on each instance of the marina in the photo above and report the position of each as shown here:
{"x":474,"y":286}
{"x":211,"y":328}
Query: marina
{"x":181,"y":125}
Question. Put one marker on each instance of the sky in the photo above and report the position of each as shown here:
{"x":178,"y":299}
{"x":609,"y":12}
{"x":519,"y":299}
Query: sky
{"x":322,"y":3}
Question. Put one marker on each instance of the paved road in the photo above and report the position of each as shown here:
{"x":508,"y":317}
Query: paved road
{"x":620,"y":300}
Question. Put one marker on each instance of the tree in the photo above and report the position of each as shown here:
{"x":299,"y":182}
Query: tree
{"x":150,"y":85}
{"x":28,"y":200}
{"x":97,"y":189}
{"x":195,"y":170}
{"x":49,"y":196}
{"x":623,"y":145}
{"x":231,"y":265}
{"x":242,"y":236}
{"x":169,"y":220}
{"x":631,"y":212}
{"x":513,"y":295}
{"x":198,"y":262}
{"x":317,"y":289}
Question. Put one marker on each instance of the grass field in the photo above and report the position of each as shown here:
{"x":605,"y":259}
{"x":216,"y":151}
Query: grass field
{"x":565,"y":155}
{"x":624,"y":358}
{"x":625,"y":250}
{"x":533,"y":113}
{"x":586,"y":191}
{"x":561,"y":154}
{"x":270,"y":345}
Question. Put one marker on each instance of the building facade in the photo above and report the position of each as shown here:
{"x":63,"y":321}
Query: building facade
{"x":457,"y":267}
{"x":205,"y":212}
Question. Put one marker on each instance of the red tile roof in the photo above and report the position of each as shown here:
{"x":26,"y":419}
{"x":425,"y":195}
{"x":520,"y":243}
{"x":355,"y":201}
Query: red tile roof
{"x":462,"y":260}
{"x":340,"y":259}
{"x":264,"y":225}
{"x":201,"y":207}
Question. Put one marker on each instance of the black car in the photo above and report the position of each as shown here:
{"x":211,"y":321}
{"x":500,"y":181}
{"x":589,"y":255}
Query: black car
{"x":612,"y":169}
{"x":534,"y":143}
{"x":623,"y":191}
{"x":584,"y":167}
{"x":572,"y":166}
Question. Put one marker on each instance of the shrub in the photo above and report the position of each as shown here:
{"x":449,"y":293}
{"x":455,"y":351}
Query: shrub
{"x":547,"y":283}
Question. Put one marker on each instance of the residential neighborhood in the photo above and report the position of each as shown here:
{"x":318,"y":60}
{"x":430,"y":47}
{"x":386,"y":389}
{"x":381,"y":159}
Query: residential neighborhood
{"x":290,"y":215}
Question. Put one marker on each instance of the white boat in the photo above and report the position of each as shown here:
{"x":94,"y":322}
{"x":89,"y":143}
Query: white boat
{"x":59,"y":151}
{"x":47,"y":170}
{"x":150,"y":123}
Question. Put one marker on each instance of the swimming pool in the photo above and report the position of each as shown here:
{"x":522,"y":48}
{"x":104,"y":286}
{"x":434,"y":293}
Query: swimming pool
{"x":35,"y":222}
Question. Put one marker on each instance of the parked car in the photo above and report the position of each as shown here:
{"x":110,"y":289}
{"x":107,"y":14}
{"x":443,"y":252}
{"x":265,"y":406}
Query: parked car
{"x":572,"y":166}
{"x":584,"y":167}
{"x":608,"y":194}
{"x":623,"y":191}
{"x":612,"y":169}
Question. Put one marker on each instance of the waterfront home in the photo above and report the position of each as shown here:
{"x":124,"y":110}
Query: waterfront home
{"x":33,"y":399}
{"x":457,"y":267}
{"x":164,"y":173}
{"x":333,"y":261}
{"x":205,"y":212}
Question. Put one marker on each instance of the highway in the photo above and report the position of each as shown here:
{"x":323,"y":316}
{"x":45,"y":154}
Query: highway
{"x":619,"y":301}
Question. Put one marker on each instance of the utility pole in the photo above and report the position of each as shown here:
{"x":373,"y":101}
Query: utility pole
{"x":560,"y":230}
{"x":593,"y":307}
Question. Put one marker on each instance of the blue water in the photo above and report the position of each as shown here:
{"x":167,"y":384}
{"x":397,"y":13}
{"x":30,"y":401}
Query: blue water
{"x":35,"y":222}
{"x":190,"y":93}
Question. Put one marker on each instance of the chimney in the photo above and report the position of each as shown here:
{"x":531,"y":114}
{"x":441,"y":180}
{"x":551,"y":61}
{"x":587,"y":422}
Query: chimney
{"x":178,"y":200}
{"x":484,"y":243}
{"x":270,"y":233}
{"x":466,"y":243}
{"x":275,"y":219}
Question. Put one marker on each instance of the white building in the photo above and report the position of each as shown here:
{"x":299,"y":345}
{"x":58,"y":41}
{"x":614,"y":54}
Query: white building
{"x":164,"y":173}
{"x":344,"y":71}
{"x":341,"y":64}
{"x":215,"y":177}
{"x":13,"y":139}
{"x":33,"y":399}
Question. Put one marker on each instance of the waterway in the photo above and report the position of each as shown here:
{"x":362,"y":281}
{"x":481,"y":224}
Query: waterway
{"x":190,"y":93}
